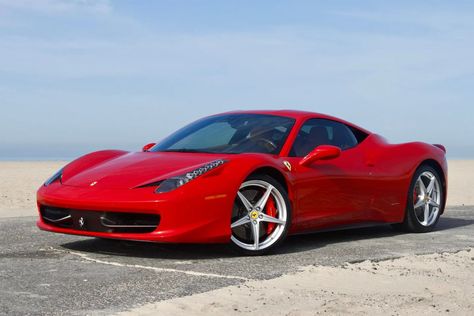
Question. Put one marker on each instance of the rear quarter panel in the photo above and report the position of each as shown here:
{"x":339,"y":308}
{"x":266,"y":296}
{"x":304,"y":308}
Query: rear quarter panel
{"x":393,"y":167}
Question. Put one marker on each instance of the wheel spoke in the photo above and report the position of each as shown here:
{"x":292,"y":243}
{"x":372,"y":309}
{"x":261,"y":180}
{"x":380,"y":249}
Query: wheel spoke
{"x":420,"y":202}
{"x":256,"y":235}
{"x":245,"y":201}
{"x":426,"y":214}
{"x":244,"y":220}
{"x":433,"y":203}
{"x":263,"y":201}
{"x":429,"y":189}
{"x":422,"y":186}
{"x":270,"y":219}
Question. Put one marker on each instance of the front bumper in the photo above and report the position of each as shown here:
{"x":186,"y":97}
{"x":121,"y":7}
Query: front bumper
{"x":191,"y":214}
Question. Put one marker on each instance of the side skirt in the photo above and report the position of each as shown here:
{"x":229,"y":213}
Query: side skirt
{"x":343,"y":227}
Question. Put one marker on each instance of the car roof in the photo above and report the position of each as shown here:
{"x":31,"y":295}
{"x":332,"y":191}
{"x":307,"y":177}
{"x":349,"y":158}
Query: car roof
{"x":299,"y":115}
{"x":288,"y":113}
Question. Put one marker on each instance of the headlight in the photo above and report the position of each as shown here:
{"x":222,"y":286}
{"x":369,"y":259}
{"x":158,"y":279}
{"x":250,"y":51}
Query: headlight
{"x":55,"y":177}
{"x":176,"y":182}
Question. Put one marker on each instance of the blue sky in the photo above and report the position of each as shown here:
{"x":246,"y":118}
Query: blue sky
{"x":82,"y":75}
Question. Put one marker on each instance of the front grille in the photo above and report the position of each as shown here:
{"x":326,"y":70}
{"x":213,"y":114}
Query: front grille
{"x":100,"y":221}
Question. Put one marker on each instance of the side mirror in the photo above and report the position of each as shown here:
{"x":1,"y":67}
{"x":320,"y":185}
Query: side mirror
{"x":323,"y":152}
{"x":147,"y":147}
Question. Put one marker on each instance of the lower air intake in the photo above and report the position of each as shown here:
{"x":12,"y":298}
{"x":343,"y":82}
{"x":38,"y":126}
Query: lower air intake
{"x":100,"y":221}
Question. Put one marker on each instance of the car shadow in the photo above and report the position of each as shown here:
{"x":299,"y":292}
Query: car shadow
{"x":446,"y":223}
{"x":306,"y":242}
{"x":293,"y":244}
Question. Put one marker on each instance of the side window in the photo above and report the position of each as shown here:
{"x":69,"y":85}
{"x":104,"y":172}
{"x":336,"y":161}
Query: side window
{"x":316,"y":132}
{"x":359,"y":135}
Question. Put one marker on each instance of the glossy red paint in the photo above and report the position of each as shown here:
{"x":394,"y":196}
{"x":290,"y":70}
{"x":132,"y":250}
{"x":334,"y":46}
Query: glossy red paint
{"x":149,"y":146}
{"x":365,"y":184}
{"x":323,"y":152}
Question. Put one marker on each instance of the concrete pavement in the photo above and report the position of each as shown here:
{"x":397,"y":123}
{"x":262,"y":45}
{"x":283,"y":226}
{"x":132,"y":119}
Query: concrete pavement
{"x":48,"y":274}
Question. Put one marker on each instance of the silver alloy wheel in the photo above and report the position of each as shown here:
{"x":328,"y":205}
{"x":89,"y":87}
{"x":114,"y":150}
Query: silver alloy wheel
{"x":427,"y":198}
{"x":255,"y":216}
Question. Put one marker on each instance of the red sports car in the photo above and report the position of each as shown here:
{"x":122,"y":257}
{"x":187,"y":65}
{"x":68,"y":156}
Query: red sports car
{"x":248,"y":179}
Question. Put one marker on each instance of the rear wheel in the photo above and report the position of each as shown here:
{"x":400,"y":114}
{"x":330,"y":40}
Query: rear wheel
{"x":425,"y":201}
{"x":261,"y":215}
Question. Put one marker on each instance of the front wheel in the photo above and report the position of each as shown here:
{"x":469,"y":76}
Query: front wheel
{"x":261,"y":215}
{"x":425,"y":201}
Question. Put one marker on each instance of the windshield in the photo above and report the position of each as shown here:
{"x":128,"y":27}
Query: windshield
{"x":232,"y":134}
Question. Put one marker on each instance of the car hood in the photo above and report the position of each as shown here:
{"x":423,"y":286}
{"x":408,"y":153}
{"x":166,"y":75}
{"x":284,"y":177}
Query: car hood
{"x":136,"y":169}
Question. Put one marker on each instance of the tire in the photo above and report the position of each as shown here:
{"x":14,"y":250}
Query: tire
{"x":425,"y":201}
{"x":261,"y":208}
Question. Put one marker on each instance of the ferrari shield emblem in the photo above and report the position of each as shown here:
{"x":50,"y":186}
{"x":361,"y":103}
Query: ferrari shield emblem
{"x":287,"y":165}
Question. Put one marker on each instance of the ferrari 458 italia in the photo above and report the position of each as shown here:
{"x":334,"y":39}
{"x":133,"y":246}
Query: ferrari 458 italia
{"x":248,"y":179}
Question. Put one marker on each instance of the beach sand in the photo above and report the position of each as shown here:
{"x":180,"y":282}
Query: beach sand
{"x":19,"y":182}
{"x":413,"y":285}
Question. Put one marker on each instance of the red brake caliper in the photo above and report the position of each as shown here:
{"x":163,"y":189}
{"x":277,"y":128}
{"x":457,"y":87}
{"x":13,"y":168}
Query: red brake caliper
{"x":271,"y":211}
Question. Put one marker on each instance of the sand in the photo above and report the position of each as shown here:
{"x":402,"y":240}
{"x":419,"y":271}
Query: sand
{"x":460,"y":182}
{"x":20,"y":180}
{"x":414,"y":285}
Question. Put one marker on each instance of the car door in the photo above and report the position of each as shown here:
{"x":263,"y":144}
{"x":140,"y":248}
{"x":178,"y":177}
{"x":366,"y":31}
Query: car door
{"x":329,"y":192}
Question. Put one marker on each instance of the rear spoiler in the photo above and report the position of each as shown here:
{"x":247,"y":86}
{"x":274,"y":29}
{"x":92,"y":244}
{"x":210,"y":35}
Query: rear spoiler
{"x":440,"y":147}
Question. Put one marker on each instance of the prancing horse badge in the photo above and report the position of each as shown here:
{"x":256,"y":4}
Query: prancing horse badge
{"x":287,"y":165}
{"x":82,"y":222}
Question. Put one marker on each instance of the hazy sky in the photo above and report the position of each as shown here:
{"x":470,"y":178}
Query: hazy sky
{"x":81,"y":75}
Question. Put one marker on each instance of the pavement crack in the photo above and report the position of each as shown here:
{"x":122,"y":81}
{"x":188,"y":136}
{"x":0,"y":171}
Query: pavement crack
{"x":85,"y":257}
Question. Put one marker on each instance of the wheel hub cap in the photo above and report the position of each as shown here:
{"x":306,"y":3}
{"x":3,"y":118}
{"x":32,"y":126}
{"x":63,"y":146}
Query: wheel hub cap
{"x":254,"y":215}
